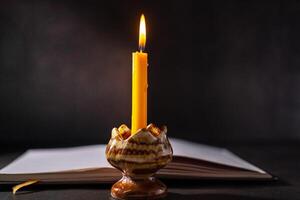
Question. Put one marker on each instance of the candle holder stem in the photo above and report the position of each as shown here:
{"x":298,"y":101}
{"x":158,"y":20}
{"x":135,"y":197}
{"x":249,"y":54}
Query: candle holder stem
{"x":146,"y":187}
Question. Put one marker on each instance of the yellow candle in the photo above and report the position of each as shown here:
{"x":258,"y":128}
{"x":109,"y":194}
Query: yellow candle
{"x":139,"y":82}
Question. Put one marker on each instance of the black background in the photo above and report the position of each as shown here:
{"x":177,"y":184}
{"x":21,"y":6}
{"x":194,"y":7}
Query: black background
{"x":219,"y":71}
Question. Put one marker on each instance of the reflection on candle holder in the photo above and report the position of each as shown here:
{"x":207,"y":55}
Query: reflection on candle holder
{"x":139,"y":157}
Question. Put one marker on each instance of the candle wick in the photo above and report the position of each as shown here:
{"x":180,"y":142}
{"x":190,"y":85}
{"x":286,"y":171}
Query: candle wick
{"x":141,"y":49}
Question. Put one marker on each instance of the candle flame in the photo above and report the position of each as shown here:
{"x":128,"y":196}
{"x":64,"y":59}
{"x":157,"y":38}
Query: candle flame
{"x":142,"y":36}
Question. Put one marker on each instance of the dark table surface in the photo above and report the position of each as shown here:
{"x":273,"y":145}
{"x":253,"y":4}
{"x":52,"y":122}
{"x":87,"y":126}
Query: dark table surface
{"x":281,"y":159}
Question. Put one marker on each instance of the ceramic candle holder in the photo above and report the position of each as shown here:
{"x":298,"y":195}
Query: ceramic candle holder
{"x":138,"y":156}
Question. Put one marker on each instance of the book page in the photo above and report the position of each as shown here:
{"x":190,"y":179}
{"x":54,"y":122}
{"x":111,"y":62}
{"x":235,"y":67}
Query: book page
{"x":58,"y":160}
{"x":210,"y":153}
{"x":93,"y":156}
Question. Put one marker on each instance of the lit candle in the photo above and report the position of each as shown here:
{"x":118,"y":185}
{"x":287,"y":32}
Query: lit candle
{"x":139,"y":82}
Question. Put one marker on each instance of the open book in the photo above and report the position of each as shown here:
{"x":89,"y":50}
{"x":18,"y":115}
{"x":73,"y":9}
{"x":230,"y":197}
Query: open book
{"x":87,"y":164}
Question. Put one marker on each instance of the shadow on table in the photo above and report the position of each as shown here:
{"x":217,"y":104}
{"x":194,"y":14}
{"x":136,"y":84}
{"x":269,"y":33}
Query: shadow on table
{"x":210,"y":197}
{"x":172,"y":184}
{"x":178,"y":190}
{"x":223,"y":184}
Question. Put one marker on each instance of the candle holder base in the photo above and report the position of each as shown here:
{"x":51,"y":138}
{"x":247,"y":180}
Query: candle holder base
{"x":142,"y":188}
{"x":139,"y":156}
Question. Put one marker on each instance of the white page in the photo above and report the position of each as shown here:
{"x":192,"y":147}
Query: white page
{"x":93,"y":156}
{"x":57,"y":160}
{"x":210,"y":153}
